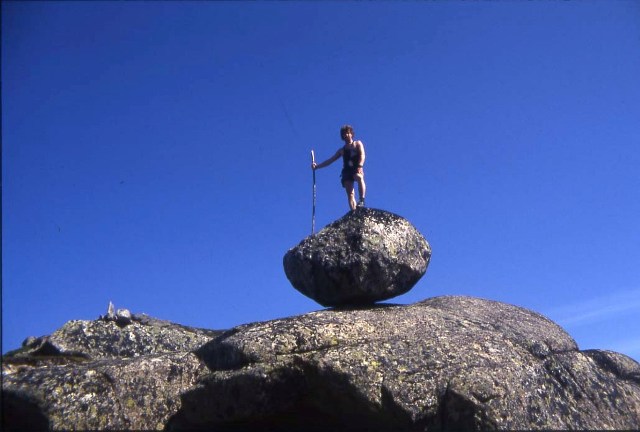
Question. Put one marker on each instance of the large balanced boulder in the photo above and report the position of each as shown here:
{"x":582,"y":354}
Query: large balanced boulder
{"x":447,"y":363}
{"x":366,"y":256}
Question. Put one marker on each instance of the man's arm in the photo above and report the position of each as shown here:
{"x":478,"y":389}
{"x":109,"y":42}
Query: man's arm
{"x":362,"y":155}
{"x":329,"y":161}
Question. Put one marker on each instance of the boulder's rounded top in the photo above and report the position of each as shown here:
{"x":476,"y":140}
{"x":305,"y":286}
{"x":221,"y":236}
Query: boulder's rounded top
{"x":362,"y":213}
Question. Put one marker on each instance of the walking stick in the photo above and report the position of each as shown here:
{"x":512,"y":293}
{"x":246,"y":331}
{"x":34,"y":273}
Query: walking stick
{"x":313,"y":213}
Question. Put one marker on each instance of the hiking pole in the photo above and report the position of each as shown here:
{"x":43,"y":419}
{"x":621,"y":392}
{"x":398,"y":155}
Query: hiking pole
{"x":313,"y":213}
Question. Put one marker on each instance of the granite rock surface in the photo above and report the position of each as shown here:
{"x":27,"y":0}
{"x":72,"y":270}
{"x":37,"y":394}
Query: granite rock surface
{"x":441,"y":364}
{"x":367,"y":256}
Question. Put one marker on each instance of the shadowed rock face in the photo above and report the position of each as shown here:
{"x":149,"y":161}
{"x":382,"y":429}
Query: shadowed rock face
{"x":443,"y":364}
{"x":367,"y":256}
{"x":447,"y":363}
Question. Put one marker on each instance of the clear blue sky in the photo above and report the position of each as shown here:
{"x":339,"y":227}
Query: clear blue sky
{"x":157,"y":154}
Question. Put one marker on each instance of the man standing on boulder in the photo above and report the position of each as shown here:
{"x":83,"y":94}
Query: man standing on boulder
{"x":352,"y":154}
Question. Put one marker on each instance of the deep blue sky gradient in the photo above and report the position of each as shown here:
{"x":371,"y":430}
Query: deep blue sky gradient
{"x":156,"y":154}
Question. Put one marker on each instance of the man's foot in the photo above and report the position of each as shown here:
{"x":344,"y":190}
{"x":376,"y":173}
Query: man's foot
{"x":361,"y":202}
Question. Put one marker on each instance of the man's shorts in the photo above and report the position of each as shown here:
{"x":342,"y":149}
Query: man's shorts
{"x":348,"y":174}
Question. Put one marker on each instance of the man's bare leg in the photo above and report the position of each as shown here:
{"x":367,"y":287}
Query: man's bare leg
{"x":362,"y":188}
{"x":351,"y":196}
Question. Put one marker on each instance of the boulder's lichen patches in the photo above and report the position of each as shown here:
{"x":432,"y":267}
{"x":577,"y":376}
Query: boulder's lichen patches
{"x":367,"y":256}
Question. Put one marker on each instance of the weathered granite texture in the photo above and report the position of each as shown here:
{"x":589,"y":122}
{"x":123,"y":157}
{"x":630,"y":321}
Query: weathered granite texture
{"x":366,"y":256}
{"x":98,"y":375}
{"x":442,"y":364}
{"x":105,"y":338}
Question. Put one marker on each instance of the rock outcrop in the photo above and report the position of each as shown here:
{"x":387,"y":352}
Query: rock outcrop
{"x":366,"y":256}
{"x":101,"y":375}
{"x":116,"y":338}
{"x":442,"y":364}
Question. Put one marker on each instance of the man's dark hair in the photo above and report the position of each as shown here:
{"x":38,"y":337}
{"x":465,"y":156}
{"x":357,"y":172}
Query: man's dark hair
{"x":344,"y":129}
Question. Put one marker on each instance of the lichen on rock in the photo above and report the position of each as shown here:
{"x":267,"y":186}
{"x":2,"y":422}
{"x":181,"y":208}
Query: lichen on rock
{"x":446,"y":363}
{"x":101,"y":375}
{"x":367,"y":256}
